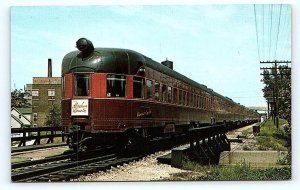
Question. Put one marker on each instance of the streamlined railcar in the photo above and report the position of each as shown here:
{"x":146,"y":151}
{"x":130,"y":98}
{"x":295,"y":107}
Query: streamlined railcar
{"x":120,"y":97}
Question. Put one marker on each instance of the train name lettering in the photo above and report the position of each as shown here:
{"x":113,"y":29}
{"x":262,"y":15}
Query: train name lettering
{"x":144,"y":113}
{"x":80,"y":107}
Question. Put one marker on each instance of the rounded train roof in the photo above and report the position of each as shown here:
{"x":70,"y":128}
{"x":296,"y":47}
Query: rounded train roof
{"x":122,"y":61}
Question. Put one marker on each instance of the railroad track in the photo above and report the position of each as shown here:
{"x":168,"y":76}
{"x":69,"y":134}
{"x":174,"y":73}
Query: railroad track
{"x":67,"y":167}
{"x":41,"y":161}
{"x":65,"y":170}
{"x":71,"y":166}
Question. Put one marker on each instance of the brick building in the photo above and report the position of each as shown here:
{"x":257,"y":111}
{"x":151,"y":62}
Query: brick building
{"x":46,"y":92}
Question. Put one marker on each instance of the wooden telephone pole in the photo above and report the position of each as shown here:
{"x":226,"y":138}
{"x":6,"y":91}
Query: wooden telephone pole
{"x":275,"y":89}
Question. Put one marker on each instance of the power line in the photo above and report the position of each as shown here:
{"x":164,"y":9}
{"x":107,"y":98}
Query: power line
{"x":263,"y":38}
{"x":272,"y":27}
{"x":277,"y":31}
{"x":256,"y":33}
{"x":270,"y":37}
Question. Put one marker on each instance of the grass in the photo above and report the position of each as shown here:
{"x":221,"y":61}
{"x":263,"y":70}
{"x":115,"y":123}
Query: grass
{"x":269,"y":129}
{"x":271,"y":137}
{"x":266,"y":143}
{"x":240,"y":171}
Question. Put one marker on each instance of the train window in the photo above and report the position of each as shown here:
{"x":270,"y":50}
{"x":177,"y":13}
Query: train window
{"x":169,"y":94}
{"x":116,"y":85}
{"x":184,"y":98}
{"x":164,"y":93}
{"x":180,"y":97}
{"x":200,"y":102}
{"x":149,"y":89}
{"x":156,"y":91}
{"x":192,"y":100}
{"x":175,"y":101}
{"x":138,"y":87}
{"x":82,"y":85}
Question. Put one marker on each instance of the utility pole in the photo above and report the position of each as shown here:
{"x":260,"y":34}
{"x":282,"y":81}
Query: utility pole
{"x":275,"y":92}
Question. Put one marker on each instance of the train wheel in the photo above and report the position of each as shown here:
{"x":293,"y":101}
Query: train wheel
{"x":131,"y":143}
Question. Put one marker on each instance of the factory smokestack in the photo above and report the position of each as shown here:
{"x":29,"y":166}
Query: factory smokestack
{"x":49,"y":67}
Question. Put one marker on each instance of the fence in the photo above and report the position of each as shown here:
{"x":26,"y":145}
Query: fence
{"x":36,"y":133}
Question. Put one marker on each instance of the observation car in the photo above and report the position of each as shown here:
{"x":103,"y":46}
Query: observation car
{"x":120,"y":97}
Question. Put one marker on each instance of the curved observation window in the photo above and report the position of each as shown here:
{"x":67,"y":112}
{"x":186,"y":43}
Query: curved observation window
{"x":82,"y":85}
{"x":116,"y":85}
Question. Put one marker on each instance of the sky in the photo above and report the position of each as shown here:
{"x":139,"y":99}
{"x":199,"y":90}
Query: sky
{"x":215,"y":45}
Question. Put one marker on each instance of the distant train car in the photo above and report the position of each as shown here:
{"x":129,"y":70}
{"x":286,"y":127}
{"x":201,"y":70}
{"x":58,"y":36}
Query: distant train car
{"x":121,"y":97}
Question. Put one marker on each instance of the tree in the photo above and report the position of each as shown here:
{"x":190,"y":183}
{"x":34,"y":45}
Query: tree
{"x":54,"y":116}
{"x":19,"y":99}
{"x":283,"y":88}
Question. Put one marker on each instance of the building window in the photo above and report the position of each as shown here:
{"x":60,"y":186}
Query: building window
{"x":116,"y":85}
{"x":138,"y":87}
{"x":82,"y":85}
{"x":35,"y":116}
{"x":156,"y":91}
{"x":51,"y":92}
{"x":35,"y":93}
{"x":149,"y":89}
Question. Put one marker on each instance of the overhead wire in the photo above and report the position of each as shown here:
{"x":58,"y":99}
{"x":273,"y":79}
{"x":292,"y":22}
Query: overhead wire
{"x":285,"y":45}
{"x":278,"y":29}
{"x":277,"y":32}
{"x":273,"y":31}
{"x":256,"y":33}
{"x":270,"y":36}
{"x":263,"y":33}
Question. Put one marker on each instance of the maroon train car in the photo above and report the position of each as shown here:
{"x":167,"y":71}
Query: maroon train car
{"x":120,"y":97}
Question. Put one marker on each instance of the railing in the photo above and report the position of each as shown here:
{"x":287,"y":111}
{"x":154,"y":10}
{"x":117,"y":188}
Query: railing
{"x":36,"y":133}
{"x":206,"y":143}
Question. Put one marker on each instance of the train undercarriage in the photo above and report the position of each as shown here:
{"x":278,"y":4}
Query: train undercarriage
{"x":133,"y":139}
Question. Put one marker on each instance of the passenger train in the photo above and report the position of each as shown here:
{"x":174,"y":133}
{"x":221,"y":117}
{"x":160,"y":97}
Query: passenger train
{"x":119,"y":97}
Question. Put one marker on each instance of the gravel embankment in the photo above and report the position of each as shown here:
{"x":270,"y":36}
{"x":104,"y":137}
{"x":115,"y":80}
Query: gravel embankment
{"x":147,"y":169}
